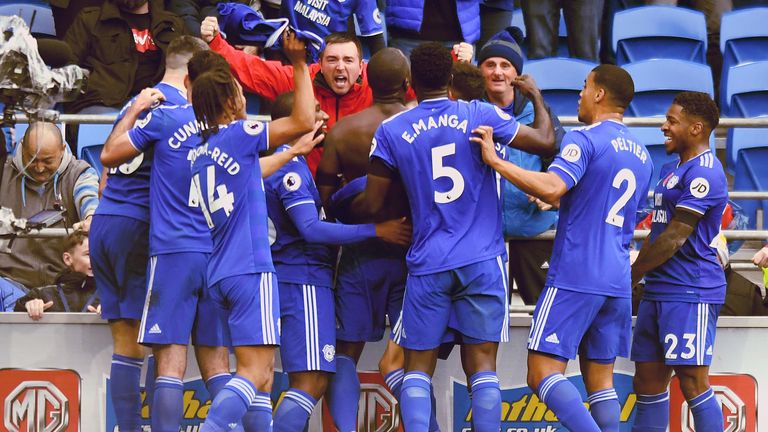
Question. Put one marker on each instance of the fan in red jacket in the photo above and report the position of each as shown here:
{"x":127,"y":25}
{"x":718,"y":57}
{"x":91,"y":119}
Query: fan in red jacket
{"x":340,"y":79}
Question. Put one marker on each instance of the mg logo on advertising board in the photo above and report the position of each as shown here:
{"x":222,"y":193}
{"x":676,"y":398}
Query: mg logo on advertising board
{"x":523,"y":411}
{"x":737,"y":395}
{"x":40,"y":400}
{"x":377,"y":410}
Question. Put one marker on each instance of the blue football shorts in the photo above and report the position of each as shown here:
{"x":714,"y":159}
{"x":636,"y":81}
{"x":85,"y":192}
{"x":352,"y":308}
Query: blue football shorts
{"x":307,"y":328}
{"x":677,"y":333}
{"x":119,"y":248}
{"x":566,"y":323}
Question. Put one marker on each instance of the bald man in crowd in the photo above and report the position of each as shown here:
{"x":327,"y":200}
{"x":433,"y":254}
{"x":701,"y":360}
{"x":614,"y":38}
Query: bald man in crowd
{"x":44,"y":175}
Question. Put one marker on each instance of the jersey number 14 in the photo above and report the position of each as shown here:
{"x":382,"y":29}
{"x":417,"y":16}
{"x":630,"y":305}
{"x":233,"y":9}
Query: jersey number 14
{"x":209,"y":203}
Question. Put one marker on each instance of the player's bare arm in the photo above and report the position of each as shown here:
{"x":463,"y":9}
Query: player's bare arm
{"x":544,"y":185}
{"x":329,"y":169}
{"x":302,"y":147}
{"x":118,"y":148}
{"x":664,"y":247}
{"x":371,"y":201}
{"x":539,"y":138}
{"x":302,"y":116}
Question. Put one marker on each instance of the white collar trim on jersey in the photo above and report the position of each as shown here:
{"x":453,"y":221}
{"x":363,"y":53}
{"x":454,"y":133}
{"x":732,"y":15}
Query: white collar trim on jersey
{"x":435,"y":99}
{"x":695,"y":157}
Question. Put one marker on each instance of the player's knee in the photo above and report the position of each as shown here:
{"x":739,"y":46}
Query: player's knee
{"x":534,"y":378}
{"x":692,"y":382}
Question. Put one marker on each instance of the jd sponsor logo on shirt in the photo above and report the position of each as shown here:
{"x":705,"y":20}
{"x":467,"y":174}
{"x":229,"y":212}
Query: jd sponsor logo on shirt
{"x":571,"y":153}
{"x":699,"y":187}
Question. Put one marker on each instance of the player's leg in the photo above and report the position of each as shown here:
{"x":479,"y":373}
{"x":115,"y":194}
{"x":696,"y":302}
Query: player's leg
{"x":651,"y":384}
{"x":174,"y":284}
{"x":560,"y":320}
{"x":354,"y":315}
{"x":119,"y":247}
{"x":607,"y":337}
{"x":694,"y":355}
{"x":652,"y":375}
{"x":213,"y":362}
{"x":252,"y":324}
{"x":479,"y":313}
{"x":307,"y":352}
{"x":419,"y":330}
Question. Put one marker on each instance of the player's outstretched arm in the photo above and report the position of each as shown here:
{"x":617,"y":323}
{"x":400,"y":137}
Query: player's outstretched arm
{"x":548,"y":187}
{"x":370,"y":202}
{"x":302,"y":116}
{"x":656,"y":253}
{"x":306,"y":220}
{"x":118,"y":148}
{"x":270,"y":164}
{"x":761,"y":258}
{"x":539,"y":138}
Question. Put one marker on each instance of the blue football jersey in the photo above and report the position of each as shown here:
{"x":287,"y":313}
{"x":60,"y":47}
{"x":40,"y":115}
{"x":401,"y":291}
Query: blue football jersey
{"x":227,"y":176}
{"x":607,"y":172}
{"x":693,"y":274}
{"x":296,"y":260}
{"x":127,"y":190}
{"x":323,"y":17}
{"x":172,"y":131}
{"x":454,"y":195}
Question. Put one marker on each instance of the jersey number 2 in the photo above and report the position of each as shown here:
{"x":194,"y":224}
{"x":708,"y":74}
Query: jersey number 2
{"x":439,"y":170}
{"x":625,"y":175}
{"x":210,"y":204}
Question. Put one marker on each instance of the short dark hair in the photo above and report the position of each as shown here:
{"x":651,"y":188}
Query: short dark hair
{"x":182,"y":47}
{"x":205,"y":61}
{"x":431,"y":64}
{"x":343,"y":37}
{"x":73,"y":240}
{"x":699,"y":105}
{"x":467,"y":81}
{"x":213,"y":93}
{"x":283,"y":105}
{"x":617,"y":82}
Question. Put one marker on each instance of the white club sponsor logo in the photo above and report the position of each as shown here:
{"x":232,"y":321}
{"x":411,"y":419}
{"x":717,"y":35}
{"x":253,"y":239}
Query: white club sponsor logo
{"x":291,"y":181}
{"x":672,"y":182}
{"x":36,"y":406}
{"x":571,"y":153}
{"x":502,"y":114}
{"x":144,"y":121}
{"x":699,"y":187}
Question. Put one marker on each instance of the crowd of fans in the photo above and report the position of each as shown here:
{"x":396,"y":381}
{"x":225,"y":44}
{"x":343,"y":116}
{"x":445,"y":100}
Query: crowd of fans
{"x":122,"y":42}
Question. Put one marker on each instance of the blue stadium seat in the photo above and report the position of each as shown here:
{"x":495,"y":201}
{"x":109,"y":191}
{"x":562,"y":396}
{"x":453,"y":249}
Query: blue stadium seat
{"x":560,"y":81}
{"x":746,"y":92}
{"x":653,"y":140}
{"x":92,"y":155}
{"x":252,"y":103}
{"x":743,"y":138}
{"x":743,"y":39}
{"x":751,"y":175}
{"x":37,"y":16}
{"x":658,"y":81}
{"x":90,"y":135}
{"x":649,"y":32}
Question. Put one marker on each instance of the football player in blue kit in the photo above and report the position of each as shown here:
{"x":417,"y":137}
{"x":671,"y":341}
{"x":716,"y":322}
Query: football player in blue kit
{"x":241,"y":283}
{"x":684,"y":280}
{"x":304,"y":266}
{"x":179,"y":240}
{"x":599,"y":178}
{"x":457,"y":279}
{"x":119,"y":240}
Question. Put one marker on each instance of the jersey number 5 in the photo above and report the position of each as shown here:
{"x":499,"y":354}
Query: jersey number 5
{"x":439,"y":170}
{"x":625,"y":175}
{"x":210,"y":204}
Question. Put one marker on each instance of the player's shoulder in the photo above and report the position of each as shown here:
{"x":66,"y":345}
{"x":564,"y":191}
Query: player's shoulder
{"x":706,"y":165}
{"x":397,"y":117}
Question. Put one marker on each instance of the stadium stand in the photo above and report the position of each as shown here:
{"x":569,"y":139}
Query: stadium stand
{"x":562,"y":32}
{"x":743,"y":138}
{"x":746,"y":91}
{"x":658,"y":80}
{"x":560,"y":80}
{"x":92,"y":135}
{"x":37,"y":15}
{"x":743,"y":39}
{"x":650,"y":32}
{"x":751,"y":175}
